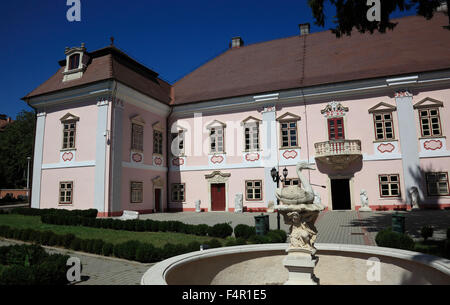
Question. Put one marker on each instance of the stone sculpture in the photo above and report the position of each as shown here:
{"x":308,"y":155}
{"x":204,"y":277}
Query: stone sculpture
{"x":300,"y":208}
{"x":414,"y":196}
{"x":239,"y":203}
{"x":197,"y":206}
{"x":364,"y":201}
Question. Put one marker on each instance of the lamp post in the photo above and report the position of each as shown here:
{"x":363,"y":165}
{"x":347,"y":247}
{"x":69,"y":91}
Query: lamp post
{"x":277,"y":178}
{"x":28,"y":179}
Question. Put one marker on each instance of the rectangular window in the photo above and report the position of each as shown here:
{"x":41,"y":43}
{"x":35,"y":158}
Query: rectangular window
{"x":251,"y":137}
{"x":137,"y":137}
{"x":74,"y":61}
{"x":336,"y":129}
{"x":69,"y":131}
{"x":157,"y":142}
{"x":253,"y":190}
{"x":437,"y":184}
{"x":389,"y":185}
{"x":65,"y":192}
{"x":384,"y":126}
{"x":289,"y":134}
{"x":178,"y":144}
{"x":136,"y":191}
{"x":292,"y":181}
{"x":216,"y":140}
{"x":430,"y":122}
{"x":178,"y":192}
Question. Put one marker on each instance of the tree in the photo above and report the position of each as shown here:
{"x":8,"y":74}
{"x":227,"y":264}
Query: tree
{"x":353,"y":14}
{"x":16,"y":144}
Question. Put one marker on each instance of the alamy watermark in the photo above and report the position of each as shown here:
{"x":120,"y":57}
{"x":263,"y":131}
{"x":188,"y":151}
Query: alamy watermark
{"x":74,"y":11}
{"x":74,"y":272}
{"x":374,"y":272}
{"x":374,"y":12}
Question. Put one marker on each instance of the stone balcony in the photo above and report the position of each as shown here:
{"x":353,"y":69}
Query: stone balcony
{"x":338,"y":153}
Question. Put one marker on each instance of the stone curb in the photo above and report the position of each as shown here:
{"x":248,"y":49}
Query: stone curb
{"x":156,"y":274}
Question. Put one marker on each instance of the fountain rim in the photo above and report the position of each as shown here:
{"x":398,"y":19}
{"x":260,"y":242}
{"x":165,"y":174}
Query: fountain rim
{"x":156,"y":274}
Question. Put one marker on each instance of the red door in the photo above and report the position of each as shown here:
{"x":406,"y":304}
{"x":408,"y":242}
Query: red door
{"x":218,"y":197}
{"x":158,"y":206}
{"x":336,"y":129}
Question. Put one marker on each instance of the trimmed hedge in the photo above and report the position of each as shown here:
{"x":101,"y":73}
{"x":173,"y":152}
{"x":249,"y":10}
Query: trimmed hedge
{"x":244,"y":231}
{"x":426,"y":232}
{"x":391,"y":239}
{"x":31,"y":265}
{"x":90,"y":213}
{"x":148,"y":225}
{"x":220,"y":230}
{"x":131,"y":250}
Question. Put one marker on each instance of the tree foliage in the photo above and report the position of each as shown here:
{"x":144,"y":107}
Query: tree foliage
{"x":16,"y":144}
{"x":352,"y":14}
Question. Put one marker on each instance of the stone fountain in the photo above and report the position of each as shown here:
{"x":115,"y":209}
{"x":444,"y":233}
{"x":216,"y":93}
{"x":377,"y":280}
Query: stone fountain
{"x":300,"y":207}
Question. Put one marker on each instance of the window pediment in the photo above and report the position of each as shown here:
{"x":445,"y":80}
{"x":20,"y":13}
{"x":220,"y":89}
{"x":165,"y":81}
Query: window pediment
{"x":382,"y":107}
{"x":428,"y":102}
{"x":69,"y":118}
{"x":216,"y":124}
{"x":158,"y":126}
{"x":288,"y":116}
{"x":250,"y":120}
{"x":137,"y":119}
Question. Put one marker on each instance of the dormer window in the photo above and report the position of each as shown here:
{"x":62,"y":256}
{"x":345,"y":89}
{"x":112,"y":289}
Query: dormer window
{"x":76,"y":63}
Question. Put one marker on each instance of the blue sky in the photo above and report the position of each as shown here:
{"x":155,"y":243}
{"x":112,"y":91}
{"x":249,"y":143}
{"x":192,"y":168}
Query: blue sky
{"x":171,"y":37}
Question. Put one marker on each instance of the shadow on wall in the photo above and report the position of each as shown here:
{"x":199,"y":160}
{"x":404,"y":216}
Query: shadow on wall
{"x":426,"y":201}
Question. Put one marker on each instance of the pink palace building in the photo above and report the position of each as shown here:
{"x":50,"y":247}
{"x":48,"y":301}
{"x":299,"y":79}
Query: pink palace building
{"x":369,"y":112}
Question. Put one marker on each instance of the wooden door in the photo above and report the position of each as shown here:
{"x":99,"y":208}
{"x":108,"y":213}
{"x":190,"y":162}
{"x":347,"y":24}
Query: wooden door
{"x":218,"y":197}
{"x":158,"y":205}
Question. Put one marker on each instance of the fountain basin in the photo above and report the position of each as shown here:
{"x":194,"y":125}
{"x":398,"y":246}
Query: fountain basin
{"x":339,"y":264}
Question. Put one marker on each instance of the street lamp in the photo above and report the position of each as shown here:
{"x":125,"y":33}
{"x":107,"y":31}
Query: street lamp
{"x":277,"y":178}
{"x":28,"y":179}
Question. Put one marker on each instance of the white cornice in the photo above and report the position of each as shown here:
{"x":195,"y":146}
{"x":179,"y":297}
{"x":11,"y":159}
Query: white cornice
{"x":72,"y":95}
{"x":317,"y":93}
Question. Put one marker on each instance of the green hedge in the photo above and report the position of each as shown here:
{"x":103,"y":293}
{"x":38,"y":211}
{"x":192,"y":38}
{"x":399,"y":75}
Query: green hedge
{"x":90,"y":213}
{"x":244,"y":231}
{"x":31,"y":265}
{"x":391,"y":239}
{"x":148,"y":225}
{"x":131,"y":250}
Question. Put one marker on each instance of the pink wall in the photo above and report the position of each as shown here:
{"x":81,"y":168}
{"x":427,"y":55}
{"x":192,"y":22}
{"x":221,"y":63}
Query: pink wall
{"x":149,"y":118}
{"x":85,"y":137}
{"x":83,"y":187}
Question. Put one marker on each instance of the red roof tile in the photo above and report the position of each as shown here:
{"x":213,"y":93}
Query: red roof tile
{"x":415,"y":45}
{"x":110,"y":63}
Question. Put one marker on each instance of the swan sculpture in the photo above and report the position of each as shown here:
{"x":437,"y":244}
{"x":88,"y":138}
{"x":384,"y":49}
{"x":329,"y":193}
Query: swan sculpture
{"x":294,"y":194}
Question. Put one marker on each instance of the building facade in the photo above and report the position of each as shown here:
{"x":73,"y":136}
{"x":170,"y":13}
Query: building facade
{"x":369,"y":112}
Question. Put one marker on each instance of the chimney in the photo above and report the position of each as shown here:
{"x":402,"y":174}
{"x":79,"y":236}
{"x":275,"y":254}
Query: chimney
{"x":236,"y":42}
{"x":443,"y":7}
{"x":304,"y":28}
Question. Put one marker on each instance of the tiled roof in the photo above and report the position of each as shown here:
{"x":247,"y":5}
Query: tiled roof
{"x":415,"y":45}
{"x":110,"y":63}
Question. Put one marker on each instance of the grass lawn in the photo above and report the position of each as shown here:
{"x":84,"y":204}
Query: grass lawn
{"x":158,"y":239}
